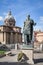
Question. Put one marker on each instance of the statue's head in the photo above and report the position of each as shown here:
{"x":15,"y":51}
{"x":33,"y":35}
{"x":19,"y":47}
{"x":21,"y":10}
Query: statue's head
{"x":28,"y":17}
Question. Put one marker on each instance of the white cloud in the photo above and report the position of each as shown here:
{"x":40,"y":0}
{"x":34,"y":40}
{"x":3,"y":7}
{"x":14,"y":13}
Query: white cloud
{"x":41,"y":18}
{"x":1,"y":18}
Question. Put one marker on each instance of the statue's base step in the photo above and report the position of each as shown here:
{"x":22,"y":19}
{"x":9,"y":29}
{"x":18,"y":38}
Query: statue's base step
{"x":24,"y":46}
{"x":30,"y":61}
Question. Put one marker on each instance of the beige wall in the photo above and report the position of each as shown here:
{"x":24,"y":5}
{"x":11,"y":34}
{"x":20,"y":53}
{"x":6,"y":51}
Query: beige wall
{"x":1,"y":28}
{"x":39,"y":37}
{"x":1,"y":37}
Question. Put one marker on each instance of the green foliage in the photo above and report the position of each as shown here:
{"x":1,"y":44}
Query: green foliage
{"x":2,"y":52}
{"x":20,"y":55}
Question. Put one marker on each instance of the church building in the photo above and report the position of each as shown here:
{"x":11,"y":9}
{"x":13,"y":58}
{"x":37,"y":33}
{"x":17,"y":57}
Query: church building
{"x":9,"y":33}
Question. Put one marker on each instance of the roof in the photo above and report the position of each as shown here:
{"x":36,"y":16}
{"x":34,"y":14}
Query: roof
{"x":9,"y":26}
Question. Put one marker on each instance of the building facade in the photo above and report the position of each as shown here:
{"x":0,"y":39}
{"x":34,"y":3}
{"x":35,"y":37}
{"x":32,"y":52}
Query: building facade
{"x":9,"y":33}
{"x":38,"y":38}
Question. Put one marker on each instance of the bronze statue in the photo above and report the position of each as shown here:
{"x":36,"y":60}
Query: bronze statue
{"x":28,"y":30}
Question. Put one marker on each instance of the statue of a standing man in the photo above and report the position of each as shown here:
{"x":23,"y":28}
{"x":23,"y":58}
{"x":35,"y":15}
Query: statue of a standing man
{"x":28,"y":30}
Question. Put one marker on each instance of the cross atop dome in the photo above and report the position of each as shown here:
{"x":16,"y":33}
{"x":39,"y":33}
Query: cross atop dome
{"x":9,"y":13}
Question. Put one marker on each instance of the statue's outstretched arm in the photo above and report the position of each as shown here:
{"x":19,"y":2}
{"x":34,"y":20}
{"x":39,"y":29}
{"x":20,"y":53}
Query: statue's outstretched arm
{"x":33,"y":22}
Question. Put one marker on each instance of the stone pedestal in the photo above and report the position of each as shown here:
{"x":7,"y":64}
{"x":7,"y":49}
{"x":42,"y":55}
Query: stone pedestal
{"x":29,"y":54}
{"x":16,"y":46}
{"x":41,"y":47}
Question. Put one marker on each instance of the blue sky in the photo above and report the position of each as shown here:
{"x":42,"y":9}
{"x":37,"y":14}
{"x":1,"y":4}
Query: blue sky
{"x":20,"y":9}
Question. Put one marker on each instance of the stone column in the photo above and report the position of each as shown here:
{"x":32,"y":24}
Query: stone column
{"x":3,"y":36}
{"x":11,"y":38}
{"x":16,"y":38}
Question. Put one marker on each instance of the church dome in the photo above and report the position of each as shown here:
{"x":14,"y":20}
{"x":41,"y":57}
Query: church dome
{"x":9,"y":19}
